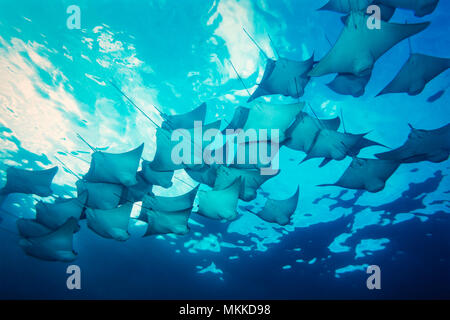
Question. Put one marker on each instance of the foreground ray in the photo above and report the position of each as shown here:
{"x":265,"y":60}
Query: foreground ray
{"x":349,"y":84}
{"x":110,"y":224}
{"x":422,"y":145}
{"x":416,"y":73}
{"x":421,"y":8}
{"x":54,"y":215}
{"x":101,"y":195}
{"x":366,"y":174}
{"x":29,"y":181}
{"x":164,"y":222}
{"x":31,"y":228}
{"x":283,"y":76}
{"x":358,"y":47}
{"x":117,"y":168}
{"x":54,"y":246}
{"x":220,"y":204}
{"x":280,"y":211}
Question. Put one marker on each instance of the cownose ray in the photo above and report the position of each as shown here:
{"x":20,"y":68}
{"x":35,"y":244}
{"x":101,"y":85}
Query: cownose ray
{"x":54,"y":246}
{"x":165,"y":146}
{"x":358,"y":47}
{"x":157,"y":178}
{"x":285,"y":77}
{"x":119,"y":168}
{"x":266,"y":116}
{"x":301,"y":134}
{"x":54,"y":215}
{"x":279,"y":211}
{"x":36,"y":182}
{"x":220,"y":204}
{"x":386,"y":12}
{"x":186,"y":120}
{"x":251,"y":181}
{"x":366,"y":174}
{"x":110,"y":224}
{"x":416,"y":73}
{"x":162,"y":222}
{"x":422,"y":145}
{"x":205,"y":175}
{"x":334,"y":145}
{"x":421,"y":8}
{"x":168,"y":204}
{"x":350,"y":84}
{"x":101,"y":195}
{"x":346,"y":6}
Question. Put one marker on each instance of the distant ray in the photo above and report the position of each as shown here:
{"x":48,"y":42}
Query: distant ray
{"x":421,"y":8}
{"x":367,"y":174}
{"x":204,"y":175}
{"x":220,"y":204}
{"x":279,"y":211}
{"x":36,"y":182}
{"x":186,"y":120}
{"x":416,"y":73}
{"x":157,"y":178}
{"x":170,"y":204}
{"x":30,"y":228}
{"x":160,"y":222}
{"x":117,"y":168}
{"x":422,"y":145}
{"x":358,"y":47}
{"x":349,"y":84}
{"x":55,"y":246}
{"x":163,"y":158}
{"x":436,"y":96}
{"x":302,"y":133}
{"x":286,"y":77}
{"x":110,"y":224}
{"x":101,"y":195}
{"x":252,"y":180}
{"x":54,"y":215}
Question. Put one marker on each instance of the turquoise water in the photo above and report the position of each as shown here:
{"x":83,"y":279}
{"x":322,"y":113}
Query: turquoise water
{"x":173,"y":55}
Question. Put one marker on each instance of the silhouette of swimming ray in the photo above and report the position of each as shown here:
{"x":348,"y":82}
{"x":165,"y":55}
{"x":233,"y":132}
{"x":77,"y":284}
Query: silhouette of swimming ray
{"x":416,"y":73}
{"x":285,"y":77}
{"x":29,"y":181}
{"x":138,"y":191}
{"x":161,"y":222}
{"x":100,"y":195}
{"x":163,"y":158}
{"x":250,"y":183}
{"x":220,"y":204}
{"x":158,"y":178}
{"x":54,"y":246}
{"x":421,"y":8}
{"x":366,"y":174}
{"x":31,"y":228}
{"x":422,"y":145}
{"x":186,"y":120}
{"x":350,"y":84}
{"x":279,"y":211}
{"x":110,"y":224}
{"x":358,"y":47}
{"x":117,"y":168}
{"x":54,"y":215}
{"x":302,"y":133}
{"x":204,"y":175}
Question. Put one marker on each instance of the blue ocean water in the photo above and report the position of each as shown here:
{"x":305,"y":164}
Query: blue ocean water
{"x":173,"y":55}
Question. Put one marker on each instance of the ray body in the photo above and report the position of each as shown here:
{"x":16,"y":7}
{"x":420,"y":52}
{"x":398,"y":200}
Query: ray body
{"x":367,"y":174}
{"x":204,"y":175}
{"x":101,"y":195}
{"x":421,"y":8}
{"x":117,"y":168}
{"x":54,"y":246}
{"x":416,"y":73}
{"x":220,"y":204}
{"x":36,"y":182}
{"x":186,"y":120}
{"x":31,"y":228}
{"x":158,"y":178}
{"x":285,"y":77}
{"x":349,"y":84}
{"x":110,"y":224}
{"x":161,"y":222}
{"x":54,"y":215}
{"x":279,"y":211}
{"x":137,"y":192}
{"x":346,"y":6}
{"x":422,"y":145}
{"x":358,"y":47}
